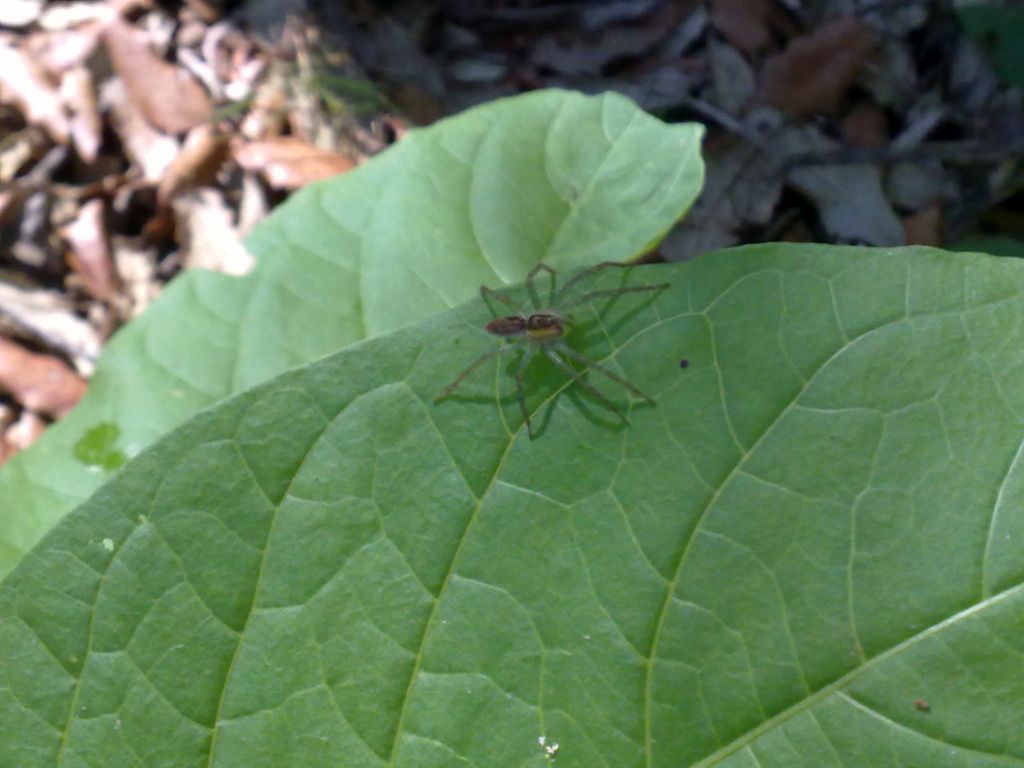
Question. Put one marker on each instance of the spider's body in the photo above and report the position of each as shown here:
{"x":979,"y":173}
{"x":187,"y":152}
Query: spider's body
{"x":540,"y":326}
{"x":543,"y":330}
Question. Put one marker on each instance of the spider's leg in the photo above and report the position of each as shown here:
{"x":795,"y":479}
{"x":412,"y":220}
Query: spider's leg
{"x":490,"y":293}
{"x":531,"y":350}
{"x":584,"y":360}
{"x":555,"y":358}
{"x":587,"y":273}
{"x":534,"y":296}
{"x":612,"y":292}
{"x":469,"y":369}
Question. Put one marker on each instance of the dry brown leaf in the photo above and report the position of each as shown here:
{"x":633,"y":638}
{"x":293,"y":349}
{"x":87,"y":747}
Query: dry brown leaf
{"x":31,"y":246}
{"x":916,"y":185}
{"x":289,"y":163}
{"x":591,"y":55}
{"x":742,"y":188}
{"x":80,"y":99}
{"x":850,"y":200}
{"x":17,"y":149}
{"x":60,"y":17}
{"x":23,"y":83}
{"x":61,"y":50}
{"x":208,"y":235}
{"x":815,"y":71}
{"x":925,"y":226}
{"x":41,"y":383}
{"x":733,"y":77}
{"x":150,"y":149}
{"x":129,"y":7}
{"x":253,"y":205}
{"x":167,"y":96}
{"x":48,"y":316}
{"x":19,"y":13}
{"x":89,"y":254}
{"x":22,"y":433}
{"x":266,"y":114}
{"x":746,"y":24}
{"x":6,"y":419}
{"x":7,"y":200}
{"x":865,"y":126}
{"x":202,"y":155}
{"x":137,"y":265}
{"x":206,"y":11}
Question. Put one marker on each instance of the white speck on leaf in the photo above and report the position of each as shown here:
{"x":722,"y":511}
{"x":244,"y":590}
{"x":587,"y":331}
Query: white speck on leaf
{"x":550,"y":750}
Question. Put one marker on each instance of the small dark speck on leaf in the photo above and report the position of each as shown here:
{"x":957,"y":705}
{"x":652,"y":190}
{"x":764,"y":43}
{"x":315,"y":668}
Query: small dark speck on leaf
{"x":922,"y":706}
{"x":684,"y":363}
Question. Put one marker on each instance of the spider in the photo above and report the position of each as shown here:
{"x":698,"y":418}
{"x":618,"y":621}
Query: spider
{"x":543,"y":331}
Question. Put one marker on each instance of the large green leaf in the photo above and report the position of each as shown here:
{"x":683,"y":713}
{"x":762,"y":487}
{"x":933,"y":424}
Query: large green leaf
{"x":475,"y":199}
{"x":808,"y":553}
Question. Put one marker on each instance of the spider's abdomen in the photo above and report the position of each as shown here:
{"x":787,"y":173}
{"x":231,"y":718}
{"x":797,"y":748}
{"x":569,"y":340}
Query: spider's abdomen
{"x":511,"y":325}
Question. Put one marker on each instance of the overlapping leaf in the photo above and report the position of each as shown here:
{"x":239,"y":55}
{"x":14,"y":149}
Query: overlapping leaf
{"x":807,"y":553}
{"x":475,"y":199}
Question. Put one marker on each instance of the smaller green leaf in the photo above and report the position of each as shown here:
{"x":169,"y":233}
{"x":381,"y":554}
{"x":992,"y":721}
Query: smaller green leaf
{"x":476,"y":199}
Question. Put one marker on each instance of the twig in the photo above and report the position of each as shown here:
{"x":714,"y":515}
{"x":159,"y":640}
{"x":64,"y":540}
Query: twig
{"x":951,"y":151}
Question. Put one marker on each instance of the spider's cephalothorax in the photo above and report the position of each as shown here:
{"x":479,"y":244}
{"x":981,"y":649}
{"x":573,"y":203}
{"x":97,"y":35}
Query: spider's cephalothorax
{"x":543,"y":330}
{"x":545,"y":326}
